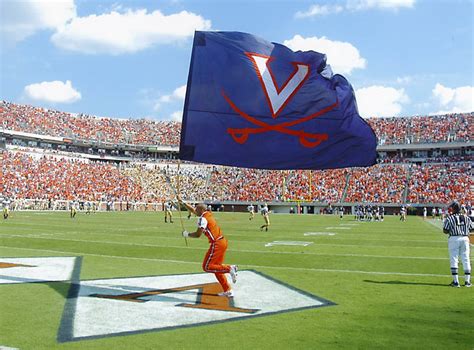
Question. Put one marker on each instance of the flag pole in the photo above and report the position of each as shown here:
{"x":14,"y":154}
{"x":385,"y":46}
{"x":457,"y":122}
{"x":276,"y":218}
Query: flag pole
{"x":177,"y":199}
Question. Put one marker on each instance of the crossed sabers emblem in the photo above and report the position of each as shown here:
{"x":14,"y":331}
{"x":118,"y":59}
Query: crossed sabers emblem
{"x":277,"y":99}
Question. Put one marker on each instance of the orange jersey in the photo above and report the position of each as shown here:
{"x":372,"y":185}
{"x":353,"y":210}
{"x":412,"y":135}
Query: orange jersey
{"x":211,"y":229}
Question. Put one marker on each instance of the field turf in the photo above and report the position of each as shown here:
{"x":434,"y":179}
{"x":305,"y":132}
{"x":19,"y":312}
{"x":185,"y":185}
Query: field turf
{"x":389,"y":280}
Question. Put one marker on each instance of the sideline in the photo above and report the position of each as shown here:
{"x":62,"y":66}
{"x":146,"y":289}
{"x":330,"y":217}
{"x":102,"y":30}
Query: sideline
{"x":436,"y":223}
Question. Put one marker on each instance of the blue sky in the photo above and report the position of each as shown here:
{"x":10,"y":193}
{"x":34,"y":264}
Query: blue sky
{"x":130,"y":59}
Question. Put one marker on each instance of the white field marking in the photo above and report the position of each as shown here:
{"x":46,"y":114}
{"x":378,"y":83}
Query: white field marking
{"x":358,"y":235}
{"x":347,"y":271}
{"x":349,"y":225}
{"x":436,"y":223}
{"x":439,"y":225}
{"x":388,"y":240}
{"x":106,"y":233}
{"x":154,"y":236}
{"x":3,"y":347}
{"x":319,"y":234}
{"x":361,"y":235}
{"x":103,"y":317}
{"x":36,"y":224}
{"x":179,"y":237}
{"x":338,"y":228}
{"x":39,"y":269}
{"x":288,"y":243}
{"x":240,"y":241}
{"x":104,"y":256}
{"x":89,"y":222}
{"x":290,"y":253}
{"x":241,"y":265}
{"x":181,"y":247}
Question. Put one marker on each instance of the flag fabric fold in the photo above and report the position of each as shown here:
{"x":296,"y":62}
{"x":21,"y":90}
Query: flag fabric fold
{"x":256,"y":104}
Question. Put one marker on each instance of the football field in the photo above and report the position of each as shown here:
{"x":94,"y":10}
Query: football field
{"x":127,"y":280}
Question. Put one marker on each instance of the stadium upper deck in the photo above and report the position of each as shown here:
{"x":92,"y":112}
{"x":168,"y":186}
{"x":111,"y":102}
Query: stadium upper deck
{"x":407,"y":130}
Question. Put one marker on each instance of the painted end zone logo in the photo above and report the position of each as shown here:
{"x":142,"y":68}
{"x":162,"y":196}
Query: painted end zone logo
{"x":111,"y":307}
{"x":38,"y":269}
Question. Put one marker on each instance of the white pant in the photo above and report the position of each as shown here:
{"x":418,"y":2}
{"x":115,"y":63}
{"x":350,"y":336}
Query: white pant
{"x":459,"y":247}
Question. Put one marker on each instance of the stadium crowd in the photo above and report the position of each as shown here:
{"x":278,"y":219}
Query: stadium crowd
{"x":37,"y":176}
{"x":24,"y":118}
{"x":52,"y":178}
{"x":440,"y":183}
{"x":42,"y":121}
{"x":57,"y":175}
{"x":378,"y":184}
{"x":320,"y":186}
{"x":424,"y":129}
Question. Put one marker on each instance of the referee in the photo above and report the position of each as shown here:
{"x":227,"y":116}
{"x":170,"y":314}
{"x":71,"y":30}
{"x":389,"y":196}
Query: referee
{"x":457,"y":226}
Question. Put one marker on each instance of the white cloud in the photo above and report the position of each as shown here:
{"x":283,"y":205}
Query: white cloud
{"x":176,"y":116}
{"x":360,"y":5}
{"x":131,"y":31}
{"x":380,"y":101}
{"x":52,"y":92}
{"x":342,"y":56}
{"x":354,"y":5}
{"x":318,"y":10}
{"x":21,"y":19}
{"x":177,"y":95}
{"x":454,"y":100}
{"x":404,"y":80}
{"x":180,"y":93}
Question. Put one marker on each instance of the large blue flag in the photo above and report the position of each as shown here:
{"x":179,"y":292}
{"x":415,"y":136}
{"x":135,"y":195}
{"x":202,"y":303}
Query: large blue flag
{"x":256,"y":104}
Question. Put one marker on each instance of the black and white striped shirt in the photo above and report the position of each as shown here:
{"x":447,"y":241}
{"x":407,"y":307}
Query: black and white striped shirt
{"x":458,"y":225}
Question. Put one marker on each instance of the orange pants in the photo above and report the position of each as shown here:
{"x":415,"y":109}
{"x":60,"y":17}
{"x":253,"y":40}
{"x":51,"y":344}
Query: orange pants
{"x":213,"y":262}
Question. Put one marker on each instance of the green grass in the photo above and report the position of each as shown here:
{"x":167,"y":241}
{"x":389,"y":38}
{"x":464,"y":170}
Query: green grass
{"x":389,"y":281}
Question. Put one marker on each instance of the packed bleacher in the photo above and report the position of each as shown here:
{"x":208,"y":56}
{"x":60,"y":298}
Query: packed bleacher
{"x":440,"y":183}
{"x":24,"y":118}
{"x":59,"y":174}
{"x":42,"y":121}
{"x":28,"y":176}
{"x":36,"y":176}
{"x":320,"y":186}
{"x":378,"y":184}
{"x":424,"y":129}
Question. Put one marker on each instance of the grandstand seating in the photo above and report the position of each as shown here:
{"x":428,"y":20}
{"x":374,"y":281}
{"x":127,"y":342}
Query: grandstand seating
{"x":65,"y":176}
{"x":48,"y":177}
{"x":378,"y":184}
{"x":33,"y":176}
{"x":408,"y":130}
{"x":440,"y":183}
{"x":319,"y":186}
{"x":424,"y":129}
{"x":85,"y":127}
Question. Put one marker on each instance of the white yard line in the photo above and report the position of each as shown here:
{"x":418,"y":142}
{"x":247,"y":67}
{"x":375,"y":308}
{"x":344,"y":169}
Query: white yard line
{"x":102,"y":255}
{"x":273,"y":252}
{"x":436,"y":223}
{"x":247,"y":266}
{"x":234,"y":250}
{"x":288,"y":243}
{"x":341,"y":237}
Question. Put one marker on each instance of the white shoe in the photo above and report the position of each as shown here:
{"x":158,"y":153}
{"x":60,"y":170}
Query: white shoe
{"x":228,"y":294}
{"x":233,"y":273}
